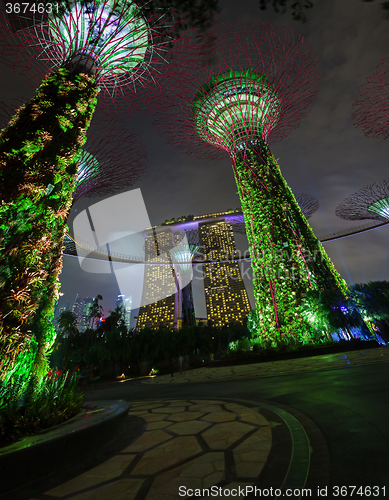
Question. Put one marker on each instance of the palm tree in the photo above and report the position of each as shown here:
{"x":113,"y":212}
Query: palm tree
{"x":116,"y":319}
{"x":95,"y":311}
{"x":67,"y":323}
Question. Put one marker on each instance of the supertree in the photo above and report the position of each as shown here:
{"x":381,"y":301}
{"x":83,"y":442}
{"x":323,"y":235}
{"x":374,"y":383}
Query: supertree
{"x":182,"y":256}
{"x":111,"y":161}
{"x":94,"y":46}
{"x":308,"y":204}
{"x":371,"y":109}
{"x":371,"y":202}
{"x":256,"y":92}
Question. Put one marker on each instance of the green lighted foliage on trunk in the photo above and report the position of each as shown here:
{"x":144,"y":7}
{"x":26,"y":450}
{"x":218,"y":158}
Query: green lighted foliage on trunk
{"x":39,"y":150}
{"x":286,"y":257}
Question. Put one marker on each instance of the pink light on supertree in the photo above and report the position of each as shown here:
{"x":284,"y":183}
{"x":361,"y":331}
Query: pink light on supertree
{"x":371,"y":109}
{"x":113,"y":159}
{"x":307,"y":203}
{"x":370,"y":202}
{"x":259,"y":86}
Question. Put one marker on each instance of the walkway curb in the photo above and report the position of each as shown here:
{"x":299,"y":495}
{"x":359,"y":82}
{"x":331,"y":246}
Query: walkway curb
{"x":36,"y":457}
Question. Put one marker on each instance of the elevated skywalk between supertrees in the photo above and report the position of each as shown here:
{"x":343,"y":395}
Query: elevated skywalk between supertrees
{"x":74,"y":245}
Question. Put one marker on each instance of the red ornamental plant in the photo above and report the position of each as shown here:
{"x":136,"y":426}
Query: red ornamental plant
{"x":46,"y":402}
{"x":259,"y":86}
{"x":371,"y":108}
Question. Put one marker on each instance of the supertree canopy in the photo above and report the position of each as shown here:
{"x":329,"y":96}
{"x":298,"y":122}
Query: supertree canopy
{"x":93,"y":46}
{"x":182,"y":256}
{"x":258,"y":90}
{"x":371,"y":109}
{"x":109,"y":39}
{"x":371,"y":202}
{"x":112,"y":160}
{"x":308,"y":204}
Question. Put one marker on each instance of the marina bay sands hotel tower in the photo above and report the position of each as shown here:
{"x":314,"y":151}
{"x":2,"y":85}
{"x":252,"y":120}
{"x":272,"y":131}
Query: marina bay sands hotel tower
{"x":226,"y":297}
{"x":225,"y":294}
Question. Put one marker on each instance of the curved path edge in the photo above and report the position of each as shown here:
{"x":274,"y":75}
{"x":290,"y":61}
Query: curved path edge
{"x":131,"y":467}
{"x":35,"y":457}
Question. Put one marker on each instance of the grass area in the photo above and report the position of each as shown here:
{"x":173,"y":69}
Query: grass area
{"x":29,"y":408}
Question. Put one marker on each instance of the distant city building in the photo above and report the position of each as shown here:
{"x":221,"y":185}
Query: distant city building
{"x":159,"y":286}
{"x":81,"y":309}
{"x":125,"y":302}
{"x":78,"y":308}
{"x":225,"y":293}
{"x":120,"y":300}
{"x":128,"y":309}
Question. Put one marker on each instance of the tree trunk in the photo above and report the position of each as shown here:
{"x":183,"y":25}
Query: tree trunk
{"x":286,"y":257}
{"x":39,"y":151}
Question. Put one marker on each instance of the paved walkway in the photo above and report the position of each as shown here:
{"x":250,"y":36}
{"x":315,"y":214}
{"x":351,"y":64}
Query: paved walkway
{"x":191,"y":448}
{"x":275,"y":368}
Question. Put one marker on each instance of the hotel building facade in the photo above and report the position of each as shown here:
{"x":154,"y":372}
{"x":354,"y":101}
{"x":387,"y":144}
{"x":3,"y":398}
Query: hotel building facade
{"x":226,"y":297}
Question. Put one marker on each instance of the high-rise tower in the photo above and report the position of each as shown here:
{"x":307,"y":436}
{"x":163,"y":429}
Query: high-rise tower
{"x":225,"y":294}
{"x":159,"y":286}
{"x":81,"y":309}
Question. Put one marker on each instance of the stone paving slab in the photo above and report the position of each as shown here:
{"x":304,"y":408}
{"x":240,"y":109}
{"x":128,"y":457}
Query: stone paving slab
{"x":254,"y":444}
{"x":275,"y":368}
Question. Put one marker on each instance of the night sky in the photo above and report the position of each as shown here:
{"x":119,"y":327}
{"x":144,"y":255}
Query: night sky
{"x":325,"y":156}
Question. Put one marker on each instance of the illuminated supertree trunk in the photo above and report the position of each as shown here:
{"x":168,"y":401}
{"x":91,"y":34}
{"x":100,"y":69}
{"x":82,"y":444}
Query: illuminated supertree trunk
{"x":260,"y":88}
{"x":39,"y":151}
{"x":92,"y":45}
{"x":112,"y":160}
{"x":188,"y":312}
{"x":286,"y":257}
